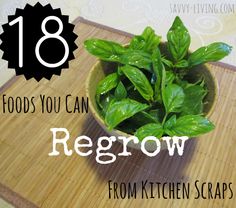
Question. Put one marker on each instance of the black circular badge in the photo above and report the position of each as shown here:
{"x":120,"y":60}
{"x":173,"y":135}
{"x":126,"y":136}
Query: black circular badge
{"x":38,"y":41}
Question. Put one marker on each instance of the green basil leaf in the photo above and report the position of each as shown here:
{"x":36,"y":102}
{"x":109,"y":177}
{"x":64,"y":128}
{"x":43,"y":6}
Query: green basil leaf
{"x":120,"y":91}
{"x":212,"y":52}
{"x":121,"y":110}
{"x":152,"y":129}
{"x":147,"y":42}
{"x":191,"y":126}
{"x":170,"y":77}
{"x":157,"y":69}
{"x":184,"y":84}
{"x":181,"y":64}
{"x":170,"y":122}
{"x":173,"y":98}
{"x":178,"y":39}
{"x":137,"y":43}
{"x":158,"y":114}
{"x":119,"y":72}
{"x":202,"y":84}
{"x":105,"y":101}
{"x":143,"y":118}
{"x":105,"y":50}
{"x":163,"y":80}
{"x":139,"y":80}
{"x":105,"y":85}
{"x":139,"y":59}
{"x":163,"y":85}
{"x":111,"y":51}
{"x":193,"y":104}
{"x":167,"y":62}
{"x":152,"y":40}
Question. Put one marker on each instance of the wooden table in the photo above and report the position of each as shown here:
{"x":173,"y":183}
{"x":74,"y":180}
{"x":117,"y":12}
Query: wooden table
{"x":27,"y":171}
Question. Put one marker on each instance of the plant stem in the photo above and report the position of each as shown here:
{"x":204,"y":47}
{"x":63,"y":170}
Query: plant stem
{"x":164,"y":119}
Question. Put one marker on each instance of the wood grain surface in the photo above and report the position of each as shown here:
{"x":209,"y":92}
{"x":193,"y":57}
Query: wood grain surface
{"x":75,"y":181}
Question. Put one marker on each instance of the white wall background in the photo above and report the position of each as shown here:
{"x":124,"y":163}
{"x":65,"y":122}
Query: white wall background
{"x":133,"y":15}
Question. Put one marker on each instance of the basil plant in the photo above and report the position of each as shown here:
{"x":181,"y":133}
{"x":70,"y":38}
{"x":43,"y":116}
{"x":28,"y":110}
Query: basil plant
{"x":149,"y":94}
